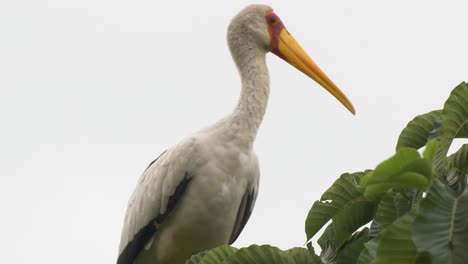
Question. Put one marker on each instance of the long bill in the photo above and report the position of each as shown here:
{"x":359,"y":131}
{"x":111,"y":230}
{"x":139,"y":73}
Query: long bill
{"x":290,"y":50}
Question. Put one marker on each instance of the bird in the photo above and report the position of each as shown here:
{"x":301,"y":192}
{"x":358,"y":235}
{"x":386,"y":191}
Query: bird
{"x":200,"y":193}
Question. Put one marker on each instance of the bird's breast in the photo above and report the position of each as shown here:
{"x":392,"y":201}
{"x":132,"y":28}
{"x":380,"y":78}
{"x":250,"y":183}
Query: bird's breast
{"x":206,"y":214}
{"x":222,"y":182}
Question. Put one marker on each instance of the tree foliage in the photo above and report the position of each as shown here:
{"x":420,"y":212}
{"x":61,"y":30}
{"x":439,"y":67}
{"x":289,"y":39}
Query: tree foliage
{"x":416,"y":202}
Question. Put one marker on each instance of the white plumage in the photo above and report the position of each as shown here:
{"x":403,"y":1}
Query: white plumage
{"x":199,"y":194}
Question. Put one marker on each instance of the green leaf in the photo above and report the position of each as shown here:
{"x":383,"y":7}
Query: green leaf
{"x":416,"y":133}
{"x":213,"y":256}
{"x":196,"y":259}
{"x":374,"y":229}
{"x":459,"y":160}
{"x":365,"y":257}
{"x":344,"y":203}
{"x":369,"y":252}
{"x":329,"y":235}
{"x":406,"y":169}
{"x":431,"y":150}
{"x":329,"y":253}
{"x":351,"y":250}
{"x":256,"y":254}
{"x":396,"y":244}
{"x":311,"y":250}
{"x":302,"y":256}
{"x":456,"y":180}
{"x":423,"y":258}
{"x":441,"y":228}
{"x":454,"y":122}
{"x":399,"y":181}
{"x":392,"y":206}
{"x":395,"y":165}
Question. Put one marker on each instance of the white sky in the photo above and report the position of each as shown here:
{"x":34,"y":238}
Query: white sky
{"x":91,"y":91}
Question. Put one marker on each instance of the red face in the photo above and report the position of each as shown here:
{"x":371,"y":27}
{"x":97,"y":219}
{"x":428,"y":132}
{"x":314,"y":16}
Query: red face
{"x":275,"y":26}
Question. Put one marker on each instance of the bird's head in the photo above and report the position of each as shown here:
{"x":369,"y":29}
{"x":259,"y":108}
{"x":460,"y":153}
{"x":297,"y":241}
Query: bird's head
{"x":261,"y":27}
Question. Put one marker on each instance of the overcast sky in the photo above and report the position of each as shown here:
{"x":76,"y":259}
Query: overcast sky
{"x":91,"y":91}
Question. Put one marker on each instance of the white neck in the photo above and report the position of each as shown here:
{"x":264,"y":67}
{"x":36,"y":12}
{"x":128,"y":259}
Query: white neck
{"x":240,"y":127}
{"x":252,"y":104}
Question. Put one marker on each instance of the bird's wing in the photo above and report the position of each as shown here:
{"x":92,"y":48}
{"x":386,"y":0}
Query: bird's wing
{"x":245,"y":210}
{"x":160,"y":187}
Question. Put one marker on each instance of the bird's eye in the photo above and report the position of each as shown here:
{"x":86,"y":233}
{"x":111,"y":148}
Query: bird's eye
{"x":272,"y":20}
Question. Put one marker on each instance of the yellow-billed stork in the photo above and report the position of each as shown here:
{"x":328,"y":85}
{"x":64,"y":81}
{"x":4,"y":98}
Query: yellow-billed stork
{"x":200,"y":193}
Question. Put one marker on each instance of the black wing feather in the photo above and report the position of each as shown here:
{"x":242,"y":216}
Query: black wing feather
{"x":245,"y":217}
{"x":133,"y":248}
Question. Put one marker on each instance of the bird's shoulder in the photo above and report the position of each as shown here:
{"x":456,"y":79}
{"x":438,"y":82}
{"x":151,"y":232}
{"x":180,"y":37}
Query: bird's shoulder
{"x":180,"y":153}
{"x":169,"y":168}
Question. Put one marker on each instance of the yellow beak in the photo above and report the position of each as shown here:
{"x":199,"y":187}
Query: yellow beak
{"x":290,"y":50}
